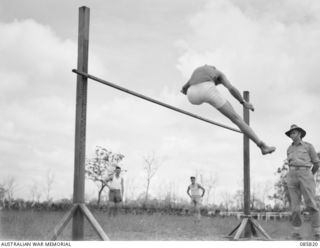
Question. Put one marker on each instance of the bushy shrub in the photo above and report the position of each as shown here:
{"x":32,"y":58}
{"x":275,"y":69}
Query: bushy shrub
{"x":135,"y":207}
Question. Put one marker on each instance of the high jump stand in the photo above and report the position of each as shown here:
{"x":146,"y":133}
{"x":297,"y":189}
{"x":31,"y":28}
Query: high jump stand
{"x":79,"y":209}
{"x":248,"y":227}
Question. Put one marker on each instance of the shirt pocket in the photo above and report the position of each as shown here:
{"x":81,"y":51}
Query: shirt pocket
{"x":292,"y":155}
{"x":303,"y":155}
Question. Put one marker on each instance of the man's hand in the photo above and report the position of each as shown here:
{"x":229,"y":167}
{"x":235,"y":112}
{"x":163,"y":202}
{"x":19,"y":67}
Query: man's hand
{"x":315,"y":169}
{"x":248,"y":105}
{"x":185,"y":88}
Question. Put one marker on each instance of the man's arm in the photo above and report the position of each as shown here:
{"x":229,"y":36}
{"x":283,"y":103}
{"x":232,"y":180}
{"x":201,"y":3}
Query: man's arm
{"x":122,"y":188}
{"x":234,"y":91}
{"x":314,"y":159}
{"x":188,"y":190}
{"x":315,"y":168}
{"x":203,"y":190}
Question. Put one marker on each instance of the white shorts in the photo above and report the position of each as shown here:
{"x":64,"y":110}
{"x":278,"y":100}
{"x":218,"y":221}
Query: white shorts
{"x":196,"y":199}
{"x":205,"y":92}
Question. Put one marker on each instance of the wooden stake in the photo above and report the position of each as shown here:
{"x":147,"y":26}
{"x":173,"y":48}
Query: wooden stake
{"x":257,"y":225}
{"x":241,"y":228}
{"x":63,"y":223}
{"x":248,"y":225}
{"x":94,"y":223}
{"x":246,"y":163}
{"x":81,"y":115}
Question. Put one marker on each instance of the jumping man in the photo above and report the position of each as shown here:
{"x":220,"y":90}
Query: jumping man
{"x":201,"y":88}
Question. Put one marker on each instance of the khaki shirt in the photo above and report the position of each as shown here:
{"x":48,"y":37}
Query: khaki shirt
{"x":302,"y":154}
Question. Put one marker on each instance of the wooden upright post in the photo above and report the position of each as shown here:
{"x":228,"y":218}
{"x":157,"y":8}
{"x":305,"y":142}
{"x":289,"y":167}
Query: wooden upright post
{"x":79,"y":209}
{"x":246,"y":163}
{"x":81,"y":116}
{"x":248,"y":226}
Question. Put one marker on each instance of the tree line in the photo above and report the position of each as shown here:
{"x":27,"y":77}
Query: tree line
{"x":101,"y":166}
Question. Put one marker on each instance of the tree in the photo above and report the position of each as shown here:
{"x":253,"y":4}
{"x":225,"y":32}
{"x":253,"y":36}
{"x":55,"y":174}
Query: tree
{"x":227,"y":200}
{"x":10,"y":186}
{"x":255,"y":201}
{"x":209,"y":183}
{"x":101,"y":167}
{"x":151,"y":166}
{"x":35,"y":192}
{"x":265,"y":192}
{"x":281,"y":188}
{"x":129,"y":189}
{"x":7,"y":189}
{"x":254,"y":196}
{"x":2,"y":194}
{"x":48,"y":185}
{"x":238,"y":198}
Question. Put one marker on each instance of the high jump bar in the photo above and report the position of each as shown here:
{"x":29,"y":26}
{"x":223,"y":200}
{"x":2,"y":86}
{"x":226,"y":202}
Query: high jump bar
{"x":153,"y":100}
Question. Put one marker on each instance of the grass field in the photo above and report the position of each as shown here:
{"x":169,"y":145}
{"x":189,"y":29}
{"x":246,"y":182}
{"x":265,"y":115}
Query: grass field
{"x":34,"y":225}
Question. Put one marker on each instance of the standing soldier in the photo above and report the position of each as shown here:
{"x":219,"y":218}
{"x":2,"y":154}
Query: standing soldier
{"x":116,"y":191}
{"x":303,"y":164}
{"x":194,"y":193}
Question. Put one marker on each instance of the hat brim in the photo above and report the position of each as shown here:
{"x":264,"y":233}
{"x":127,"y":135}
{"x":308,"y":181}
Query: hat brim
{"x":303,"y":133}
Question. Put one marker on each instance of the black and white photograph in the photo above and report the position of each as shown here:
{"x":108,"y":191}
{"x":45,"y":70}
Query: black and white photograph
{"x":160,"y":120}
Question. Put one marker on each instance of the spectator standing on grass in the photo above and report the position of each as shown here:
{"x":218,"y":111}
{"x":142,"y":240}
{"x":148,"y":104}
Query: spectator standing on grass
{"x":194,"y":193}
{"x":116,"y":190}
{"x":303,"y":164}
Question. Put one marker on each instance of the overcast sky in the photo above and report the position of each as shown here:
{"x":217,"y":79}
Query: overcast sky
{"x":270,"y":48}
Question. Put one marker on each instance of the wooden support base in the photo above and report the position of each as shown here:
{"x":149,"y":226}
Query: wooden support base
{"x":247,"y":229}
{"x":86,"y":212}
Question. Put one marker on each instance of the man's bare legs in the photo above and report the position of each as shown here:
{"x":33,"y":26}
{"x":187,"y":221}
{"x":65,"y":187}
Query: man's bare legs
{"x":114,"y":208}
{"x":228,"y":111}
{"x":195,"y":210}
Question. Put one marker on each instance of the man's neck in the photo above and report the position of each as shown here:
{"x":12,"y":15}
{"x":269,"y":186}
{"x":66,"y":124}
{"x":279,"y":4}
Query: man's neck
{"x":297,"y":142}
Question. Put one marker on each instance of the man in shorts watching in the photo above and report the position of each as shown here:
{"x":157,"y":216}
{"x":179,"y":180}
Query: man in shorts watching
{"x":196,"y":197}
{"x":115,"y":191}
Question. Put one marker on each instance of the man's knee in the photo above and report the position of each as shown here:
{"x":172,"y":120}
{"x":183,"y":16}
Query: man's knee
{"x":229,"y":112}
{"x":236,"y":118}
